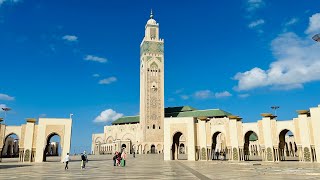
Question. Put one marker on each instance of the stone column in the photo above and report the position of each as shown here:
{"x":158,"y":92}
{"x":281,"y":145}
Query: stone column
{"x":315,"y":117}
{"x":28,"y":139}
{"x":234,"y":137}
{"x":304,"y":126}
{"x":202,"y":138}
{"x":268,"y":136}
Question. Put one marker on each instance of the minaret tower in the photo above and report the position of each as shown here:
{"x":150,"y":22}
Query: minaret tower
{"x":152,"y":83}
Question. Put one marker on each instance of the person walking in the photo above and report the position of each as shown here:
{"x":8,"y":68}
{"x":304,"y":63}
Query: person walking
{"x":86,"y":159}
{"x":66,"y":160}
{"x":83,"y":161}
{"x":115,"y":158}
{"x":123,"y":158}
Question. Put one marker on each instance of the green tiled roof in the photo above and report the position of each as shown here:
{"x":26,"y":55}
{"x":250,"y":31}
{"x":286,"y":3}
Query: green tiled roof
{"x":253,"y":137}
{"x":200,"y":113}
{"x":178,"y":109}
{"x":126,"y":120}
{"x":181,"y":111}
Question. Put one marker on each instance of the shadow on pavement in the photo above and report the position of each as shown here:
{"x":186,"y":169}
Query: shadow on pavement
{"x":12,"y":166}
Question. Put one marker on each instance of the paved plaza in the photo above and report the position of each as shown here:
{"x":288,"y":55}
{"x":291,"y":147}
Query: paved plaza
{"x":154,"y":167}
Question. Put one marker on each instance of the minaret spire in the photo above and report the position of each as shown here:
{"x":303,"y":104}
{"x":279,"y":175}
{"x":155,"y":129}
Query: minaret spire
{"x":151,"y":15}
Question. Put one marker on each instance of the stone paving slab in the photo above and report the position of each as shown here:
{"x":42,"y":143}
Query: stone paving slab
{"x":153,"y":167}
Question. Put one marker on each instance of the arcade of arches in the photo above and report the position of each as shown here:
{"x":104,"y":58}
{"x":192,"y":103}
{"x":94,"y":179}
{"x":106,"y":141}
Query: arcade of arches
{"x":32,"y":142}
{"x":228,"y":138}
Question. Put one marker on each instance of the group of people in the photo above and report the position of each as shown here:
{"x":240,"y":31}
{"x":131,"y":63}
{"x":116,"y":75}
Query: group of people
{"x":84,"y":160}
{"x":119,"y":159}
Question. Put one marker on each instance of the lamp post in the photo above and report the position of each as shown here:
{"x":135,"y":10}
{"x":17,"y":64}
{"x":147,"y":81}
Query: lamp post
{"x":316,"y":37}
{"x":275,"y":109}
{"x":5,"y":109}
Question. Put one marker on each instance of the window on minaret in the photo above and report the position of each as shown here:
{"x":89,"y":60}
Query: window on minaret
{"x":154,"y":126}
{"x":153,"y":33}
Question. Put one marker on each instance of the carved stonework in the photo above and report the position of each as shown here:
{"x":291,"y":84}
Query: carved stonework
{"x":235,"y":154}
{"x":219,"y":121}
{"x":306,"y":153}
{"x":27,"y":155}
{"x":203,"y":154}
{"x":152,"y":47}
{"x":269,"y":154}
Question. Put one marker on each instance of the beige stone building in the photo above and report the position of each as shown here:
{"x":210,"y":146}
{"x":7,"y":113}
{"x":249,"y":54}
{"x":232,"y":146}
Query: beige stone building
{"x":31,"y":142}
{"x":188,"y":133}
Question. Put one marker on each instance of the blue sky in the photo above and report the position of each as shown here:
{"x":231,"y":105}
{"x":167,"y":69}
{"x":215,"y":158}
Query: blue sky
{"x":82,"y":57}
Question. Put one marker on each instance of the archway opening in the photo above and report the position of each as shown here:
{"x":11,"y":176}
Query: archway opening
{"x":288,"y":150}
{"x":53,"y":149}
{"x":218,"y":147}
{"x":177,"y":139}
{"x":153,"y":149}
{"x":10,"y":149}
{"x":251,"y":147}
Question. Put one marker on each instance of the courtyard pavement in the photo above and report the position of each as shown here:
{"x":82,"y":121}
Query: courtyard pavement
{"x":153,"y":167}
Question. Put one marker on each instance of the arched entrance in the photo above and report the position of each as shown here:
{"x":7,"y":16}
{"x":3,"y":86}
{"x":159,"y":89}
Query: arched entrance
{"x":287,"y":146}
{"x":218,"y":147}
{"x":10,"y":149}
{"x":175,"y":147}
{"x":153,"y":149}
{"x":52,"y":151}
{"x":251,"y":147}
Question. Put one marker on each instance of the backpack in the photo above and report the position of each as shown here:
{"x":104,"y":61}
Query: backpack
{"x":83,"y":157}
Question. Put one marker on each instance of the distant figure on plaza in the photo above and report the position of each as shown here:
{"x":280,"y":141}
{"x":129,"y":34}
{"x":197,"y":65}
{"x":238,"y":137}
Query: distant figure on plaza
{"x":66,"y":160}
{"x":83,"y":160}
{"x":123,"y":158}
{"x":118,"y":158}
{"x":115,"y":158}
{"x":134,"y":154}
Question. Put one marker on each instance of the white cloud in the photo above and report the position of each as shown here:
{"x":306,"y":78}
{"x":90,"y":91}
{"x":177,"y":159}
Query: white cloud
{"x":253,"y":5}
{"x":292,"y":21}
{"x":178,"y":91}
{"x":171,"y":100}
{"x":256,"y":23}
{"x":95,"y":58}
{"x":297,"y":62}
{"x":108,"y":80}
{"x":108,"y":115}
{"x":2,"y":106}
{"x":184,"y":97}
{"x":70,"y":38}
{"x":8,"y":1}
{"x":203,"y":94}
{"x":314,"y":24}
{"x":96,"y":75}
{"x":6,"y":97}
{"x":222,"y":94}
{"x":243,"y":95}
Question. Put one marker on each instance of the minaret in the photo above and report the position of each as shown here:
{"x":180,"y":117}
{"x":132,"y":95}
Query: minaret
{"x":152,"y":83}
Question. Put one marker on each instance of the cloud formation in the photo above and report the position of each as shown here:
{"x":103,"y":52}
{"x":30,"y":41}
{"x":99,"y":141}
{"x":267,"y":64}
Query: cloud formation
{"x":96,"y":75}
{"x":108,"y":80}
{"x":70,"y":38}
{"x":95,"y":59}
{"x":107,"y":115}
{"x":297,"y":62}
{"x":8,"y":1}
{"x":253,"y":5}
{"x":314,"y":24}
{"x":256,"y":23}
{"x":6,"y":97}
{"x":292,"y":21}
{"x":207,"y":94}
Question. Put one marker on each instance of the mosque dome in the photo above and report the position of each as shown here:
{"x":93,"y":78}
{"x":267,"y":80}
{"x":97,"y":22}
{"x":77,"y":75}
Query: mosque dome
{"x":151,"y":21}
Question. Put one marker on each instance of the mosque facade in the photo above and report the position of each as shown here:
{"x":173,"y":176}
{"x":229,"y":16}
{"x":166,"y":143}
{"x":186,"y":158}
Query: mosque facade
{"x":191,"y":134}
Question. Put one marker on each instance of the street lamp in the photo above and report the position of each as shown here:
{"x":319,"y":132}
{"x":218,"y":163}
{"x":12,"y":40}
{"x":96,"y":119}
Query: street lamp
{"x":275,"y":109}
{"x":5,"y":109}
{"x":316,"y":37}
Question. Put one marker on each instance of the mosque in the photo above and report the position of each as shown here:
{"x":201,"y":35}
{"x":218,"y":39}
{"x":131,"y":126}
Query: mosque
{"x":191,"y":134}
